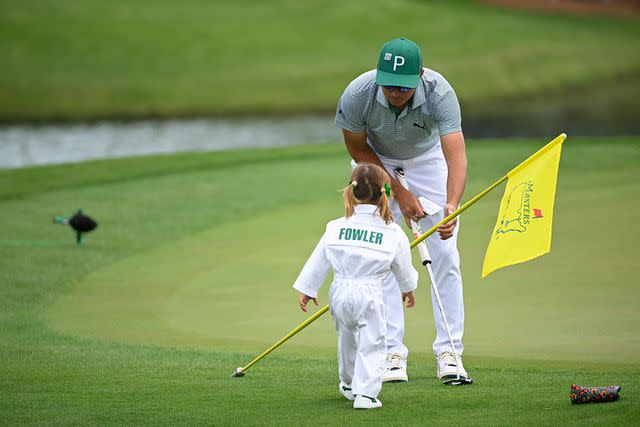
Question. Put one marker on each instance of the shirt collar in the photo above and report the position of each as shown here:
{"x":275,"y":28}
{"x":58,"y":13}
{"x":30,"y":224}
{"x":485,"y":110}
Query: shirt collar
{"x":419,"y":96}
{"x":381,"y":98}
{"x":365,"y":208}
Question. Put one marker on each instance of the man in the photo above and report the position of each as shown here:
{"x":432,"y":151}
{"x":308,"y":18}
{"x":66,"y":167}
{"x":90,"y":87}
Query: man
{"x":402,"y":115}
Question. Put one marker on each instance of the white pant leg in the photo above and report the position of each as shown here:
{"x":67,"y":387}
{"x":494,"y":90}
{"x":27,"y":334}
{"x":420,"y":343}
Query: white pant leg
{"x":344,"y":320}
{"x":359,"y":318}
{"x":347,"y":350}
{"x":427,"y":176}
{"x":372,"y":347}
{"x":446,"y":269}
{"x":394,"y":316}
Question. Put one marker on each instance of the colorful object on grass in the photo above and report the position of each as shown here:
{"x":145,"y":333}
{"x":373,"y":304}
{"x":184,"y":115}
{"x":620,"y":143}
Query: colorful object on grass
{"x":594,"y":394}
{"x":79,"y":222}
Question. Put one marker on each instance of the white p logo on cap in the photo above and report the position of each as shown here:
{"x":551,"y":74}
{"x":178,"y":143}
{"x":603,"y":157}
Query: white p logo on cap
{"x":398,"y":61}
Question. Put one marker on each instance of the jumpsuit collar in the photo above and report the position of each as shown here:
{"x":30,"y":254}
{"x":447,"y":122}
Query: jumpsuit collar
{"x":365,"y":209}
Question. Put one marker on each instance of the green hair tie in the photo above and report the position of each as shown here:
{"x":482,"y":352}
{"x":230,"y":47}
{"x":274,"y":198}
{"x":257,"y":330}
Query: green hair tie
{"x":387,"y":189}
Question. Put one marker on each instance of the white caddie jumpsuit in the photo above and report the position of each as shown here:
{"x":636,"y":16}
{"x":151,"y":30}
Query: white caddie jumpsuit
{"x":362,"y":251}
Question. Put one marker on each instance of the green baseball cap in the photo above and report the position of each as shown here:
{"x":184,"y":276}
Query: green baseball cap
{"x":399,"y":64}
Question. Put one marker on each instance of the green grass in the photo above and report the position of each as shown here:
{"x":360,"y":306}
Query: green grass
{"x":92,"y":59}
{"x":188,"y":276}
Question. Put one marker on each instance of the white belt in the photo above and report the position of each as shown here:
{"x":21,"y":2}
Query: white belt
{"x":366,"y":281}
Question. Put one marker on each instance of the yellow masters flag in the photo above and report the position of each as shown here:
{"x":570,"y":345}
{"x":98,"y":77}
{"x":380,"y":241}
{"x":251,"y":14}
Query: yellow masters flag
{"x":523,"y":229}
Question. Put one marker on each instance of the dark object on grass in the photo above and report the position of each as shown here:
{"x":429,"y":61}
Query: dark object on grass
{"x":594,"y":394}
{"x":79,"y":222}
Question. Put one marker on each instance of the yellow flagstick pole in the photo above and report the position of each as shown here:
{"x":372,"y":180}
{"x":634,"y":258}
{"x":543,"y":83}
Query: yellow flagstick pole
{"x":559,"y":139}
{"x":240,"y":371}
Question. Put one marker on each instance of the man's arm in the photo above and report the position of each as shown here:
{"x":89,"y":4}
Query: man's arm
{"x":455,"y":155}
{"x":356,"y":143}
{"x":358,"y":148}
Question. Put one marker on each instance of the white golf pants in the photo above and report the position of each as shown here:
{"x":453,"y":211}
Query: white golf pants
{"x":427,"y":176}
{"x":358,"y":313}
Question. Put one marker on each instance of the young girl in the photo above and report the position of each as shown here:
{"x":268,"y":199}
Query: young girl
{"x":361,"y":248}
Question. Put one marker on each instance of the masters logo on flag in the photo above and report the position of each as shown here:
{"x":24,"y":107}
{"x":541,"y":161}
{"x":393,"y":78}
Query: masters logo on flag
{"x":522,"y":232}
{"x":518,"y":213}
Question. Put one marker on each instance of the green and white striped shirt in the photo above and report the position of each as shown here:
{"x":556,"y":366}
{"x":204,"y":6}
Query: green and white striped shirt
{"x":432,"y":112}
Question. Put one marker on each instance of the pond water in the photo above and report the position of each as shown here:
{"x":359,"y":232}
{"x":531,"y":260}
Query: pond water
{"x":27,"y":145}
{"x":611,"y":109}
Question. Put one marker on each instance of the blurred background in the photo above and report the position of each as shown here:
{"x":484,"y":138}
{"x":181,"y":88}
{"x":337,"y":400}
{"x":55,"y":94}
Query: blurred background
{"x":188,"y":273}
{"x":92,"y":79}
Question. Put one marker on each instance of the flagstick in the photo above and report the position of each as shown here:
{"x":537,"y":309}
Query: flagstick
{"x":559,"y":139}
{"x":241,"y":371}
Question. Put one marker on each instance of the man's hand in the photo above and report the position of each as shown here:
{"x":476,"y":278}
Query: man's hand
{"x":446,"y":230}
{"x":304,"y":299}
{"x":409,"y":204}
{"x":411,"y":299}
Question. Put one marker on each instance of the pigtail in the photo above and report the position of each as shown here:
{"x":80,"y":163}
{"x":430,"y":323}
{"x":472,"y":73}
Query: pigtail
{"x":349,"y":198}
{"x":384,"y":209}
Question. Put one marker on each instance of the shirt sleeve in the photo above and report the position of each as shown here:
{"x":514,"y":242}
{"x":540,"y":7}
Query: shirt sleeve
{"x":350,"y":111}
{"x":402,"y":268}
{"x":448,"y":114}
{"x":314,"y":271}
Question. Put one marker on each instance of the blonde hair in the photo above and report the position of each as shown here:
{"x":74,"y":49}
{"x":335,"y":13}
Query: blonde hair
{"x":367,"y":185}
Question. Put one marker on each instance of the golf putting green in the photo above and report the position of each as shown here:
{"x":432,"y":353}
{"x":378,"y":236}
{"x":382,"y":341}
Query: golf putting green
{"x":189,"y":275}
{"x":224,"y":288}
{"x":228,"y":288}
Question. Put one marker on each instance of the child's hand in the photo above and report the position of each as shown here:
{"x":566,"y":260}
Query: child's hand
{"x":304,"y":299}
{"x":411,"y":298}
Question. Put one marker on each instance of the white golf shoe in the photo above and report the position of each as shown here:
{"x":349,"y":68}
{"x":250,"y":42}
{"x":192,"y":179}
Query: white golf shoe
{"x":345,"y":390}
{"x":365,"y":402}
{"x":396,"y":369}
{"x":447,"y":366}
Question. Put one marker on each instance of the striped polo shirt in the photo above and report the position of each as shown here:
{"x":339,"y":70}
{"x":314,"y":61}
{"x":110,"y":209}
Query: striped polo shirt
{"x":432,"y":112}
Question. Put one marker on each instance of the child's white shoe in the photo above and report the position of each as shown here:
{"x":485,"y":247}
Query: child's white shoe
{"x":365,"y":402}
{"x":345,"y":390}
